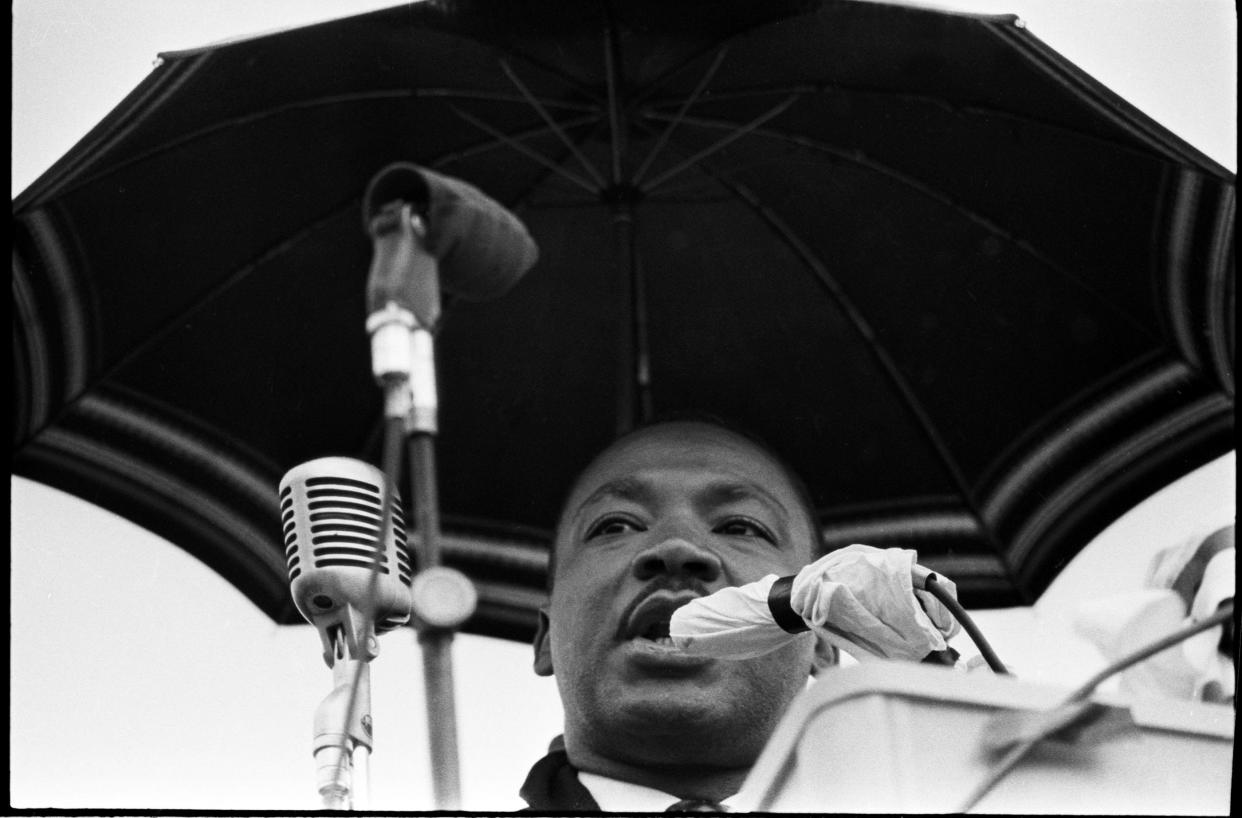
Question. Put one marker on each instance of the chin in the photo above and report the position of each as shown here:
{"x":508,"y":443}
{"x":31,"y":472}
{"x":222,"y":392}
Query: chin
{"x":674,"y":712}
{"x":705,"y":712}
{"x":692,"y":734}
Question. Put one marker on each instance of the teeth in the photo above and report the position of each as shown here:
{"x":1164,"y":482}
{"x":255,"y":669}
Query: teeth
{"x":657,"y":632}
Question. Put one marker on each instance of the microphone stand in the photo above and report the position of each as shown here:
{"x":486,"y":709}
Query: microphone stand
{"x":436,"y":642}
{"x":404,"y":292}
{"x":342,"y":746}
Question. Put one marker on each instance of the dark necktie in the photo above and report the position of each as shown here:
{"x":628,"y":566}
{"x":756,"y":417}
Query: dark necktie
{"x":553,"y":784}
{"x":697,"y":805}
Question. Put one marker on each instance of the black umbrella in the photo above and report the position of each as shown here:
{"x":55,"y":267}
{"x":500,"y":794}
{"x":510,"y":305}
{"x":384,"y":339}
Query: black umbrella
{"x":982,"y":304}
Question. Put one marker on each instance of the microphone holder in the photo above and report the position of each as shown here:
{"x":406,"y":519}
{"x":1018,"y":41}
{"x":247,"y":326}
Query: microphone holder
{"x":404,"y":297}
{"x":342,"y":746}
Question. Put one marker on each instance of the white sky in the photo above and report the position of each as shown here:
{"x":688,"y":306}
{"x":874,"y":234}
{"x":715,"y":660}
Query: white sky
{"x":141,"y":679}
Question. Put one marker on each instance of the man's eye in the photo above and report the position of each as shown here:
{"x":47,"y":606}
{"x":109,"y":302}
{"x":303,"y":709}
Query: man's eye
{"x":612,"y":524}
{"x":744,"y":527}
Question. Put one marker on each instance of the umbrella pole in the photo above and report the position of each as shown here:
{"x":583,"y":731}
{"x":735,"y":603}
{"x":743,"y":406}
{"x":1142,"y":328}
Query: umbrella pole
{"x":634,"y":378}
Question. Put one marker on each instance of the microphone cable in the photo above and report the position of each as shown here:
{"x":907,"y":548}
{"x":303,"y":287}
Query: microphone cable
{"x":394,"y":433}
{"x":947,"y":599}
{"x":1020,"y":750}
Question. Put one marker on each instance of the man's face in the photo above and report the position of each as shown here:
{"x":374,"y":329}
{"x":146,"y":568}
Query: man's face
{"x":668,"y":514}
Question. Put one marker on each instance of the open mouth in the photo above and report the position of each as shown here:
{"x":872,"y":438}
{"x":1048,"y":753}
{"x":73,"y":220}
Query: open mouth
{"x":650,"y":620}
{"x":656,"y":631}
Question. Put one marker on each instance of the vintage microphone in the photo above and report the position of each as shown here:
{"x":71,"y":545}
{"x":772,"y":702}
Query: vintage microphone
{"x":431,"y":232}
{"x":350,"y":576}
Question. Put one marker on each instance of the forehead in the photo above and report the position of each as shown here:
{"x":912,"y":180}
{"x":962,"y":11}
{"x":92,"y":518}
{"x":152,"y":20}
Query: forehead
{"x":694,"y":452}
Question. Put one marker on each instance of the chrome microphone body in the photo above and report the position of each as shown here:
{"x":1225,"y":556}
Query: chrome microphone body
{"x":332,"y":511}
{"x":352,"y":580}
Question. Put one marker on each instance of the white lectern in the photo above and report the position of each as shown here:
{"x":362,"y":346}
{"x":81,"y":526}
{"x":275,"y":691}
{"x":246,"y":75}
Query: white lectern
{"x":904,"y":738}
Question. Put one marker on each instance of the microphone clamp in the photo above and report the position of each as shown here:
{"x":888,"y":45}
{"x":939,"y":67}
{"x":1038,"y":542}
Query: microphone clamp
{"x":403,"y":270}
{"x":403,"y":294}
{"x":403,"y":362}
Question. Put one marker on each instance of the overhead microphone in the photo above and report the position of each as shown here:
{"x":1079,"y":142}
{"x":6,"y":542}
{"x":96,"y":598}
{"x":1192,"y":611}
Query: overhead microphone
{"x":482,"y":249}
{"x":429,"y":231}
{"x":331,"y":510}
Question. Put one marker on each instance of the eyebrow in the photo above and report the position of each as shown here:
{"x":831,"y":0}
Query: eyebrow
{"x":727,"y":491}
{"x":624,"y":488}
{"x":713,"y":494}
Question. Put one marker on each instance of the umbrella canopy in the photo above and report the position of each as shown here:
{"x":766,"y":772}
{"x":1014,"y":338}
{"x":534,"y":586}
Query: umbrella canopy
{"x":981,"y":304}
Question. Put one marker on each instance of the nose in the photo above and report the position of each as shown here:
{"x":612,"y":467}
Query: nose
{"x":677,"y":556}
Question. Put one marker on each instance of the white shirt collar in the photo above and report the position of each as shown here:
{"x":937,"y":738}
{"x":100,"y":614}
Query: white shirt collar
{"x":622,"y":796}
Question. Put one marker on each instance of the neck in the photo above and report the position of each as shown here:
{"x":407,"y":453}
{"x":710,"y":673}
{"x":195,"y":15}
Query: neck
{"x":681,"y":780}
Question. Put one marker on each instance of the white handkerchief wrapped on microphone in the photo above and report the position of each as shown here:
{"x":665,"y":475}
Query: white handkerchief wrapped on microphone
{"x":733,"y":623}
{"x":860,"y":598}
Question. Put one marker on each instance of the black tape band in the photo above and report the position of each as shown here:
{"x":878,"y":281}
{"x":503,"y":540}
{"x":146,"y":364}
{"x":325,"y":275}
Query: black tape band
{"x":781,"y":608}
{"x":948,"y":656}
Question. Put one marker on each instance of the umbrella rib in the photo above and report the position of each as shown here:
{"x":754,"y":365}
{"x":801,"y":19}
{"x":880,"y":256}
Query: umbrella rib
{"x":572,"y":84}
{"x":518,"y":202}
{"x":492,"y":144}
{"x":861,"y":160}
{"x":1187,"y":192}
{"x":30,"y":347}
{"x":657,"y":83}
{"x":116,"y":125}
{"x":814,"y":89}
{"x":1103,"y":101}
{"x":1219,"y":280}
{"x":750,"y":127}
{"x":428,"y":93}
{"x":864,"y":329}
{"x":1037,"y":451}
{"x":872,"y":342}
{"x":543,"y":113}
{"x":685,"y":106}
{"x":175,"y":322}
{"x":560,"y":170}
{"x":58,"y":272}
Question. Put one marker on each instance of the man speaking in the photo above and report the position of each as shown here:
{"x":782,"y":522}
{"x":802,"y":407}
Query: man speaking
{"x":668,"y":513}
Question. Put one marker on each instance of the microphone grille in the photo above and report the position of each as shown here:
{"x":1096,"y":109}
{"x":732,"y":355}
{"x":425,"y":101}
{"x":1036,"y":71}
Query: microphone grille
{"x":345,"y":517}
{"x":331,"y":517}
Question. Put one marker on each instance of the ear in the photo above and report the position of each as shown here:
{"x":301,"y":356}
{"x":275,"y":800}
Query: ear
{"x":543,"y":644}
{"x":826,"y":654}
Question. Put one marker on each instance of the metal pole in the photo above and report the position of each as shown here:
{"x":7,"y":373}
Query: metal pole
{"x":425,"y":496}
{"x":436,"y":643}
{"x":403,"y":292}
{"x":441,"y":717}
